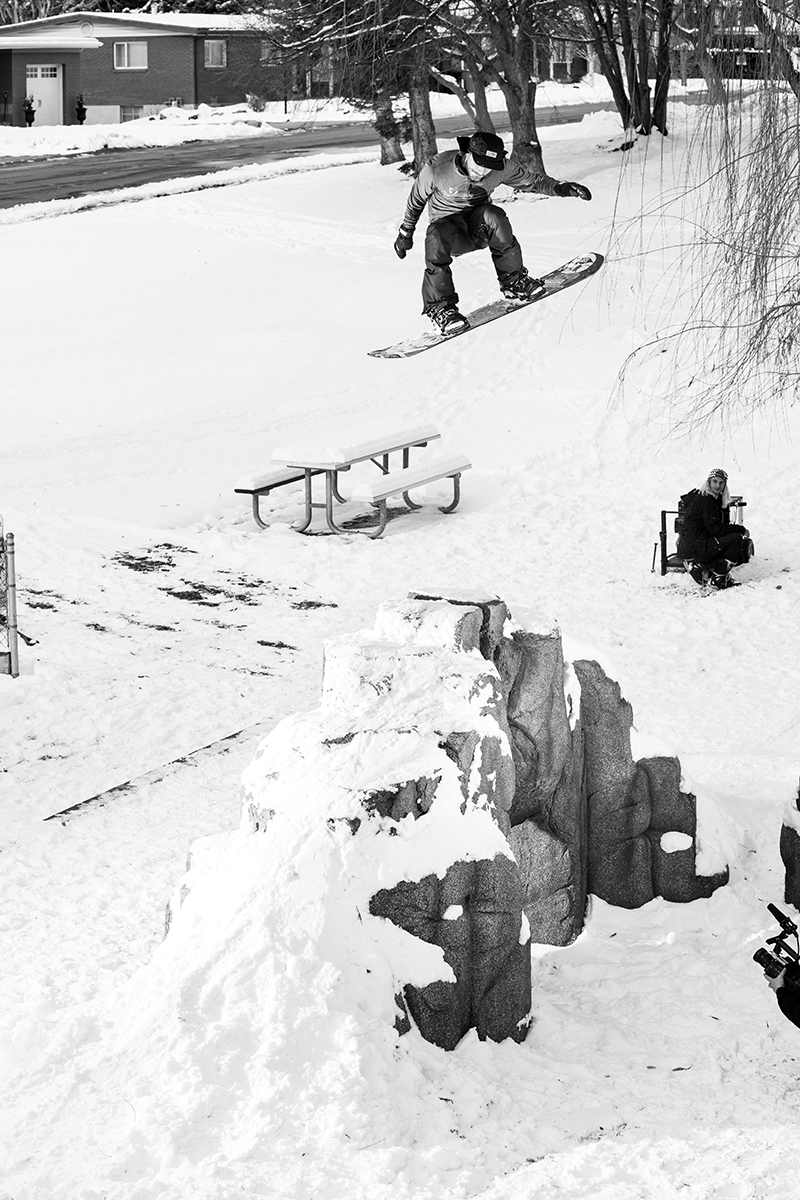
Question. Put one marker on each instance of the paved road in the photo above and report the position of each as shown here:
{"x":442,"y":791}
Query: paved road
{"x":64,"y":176}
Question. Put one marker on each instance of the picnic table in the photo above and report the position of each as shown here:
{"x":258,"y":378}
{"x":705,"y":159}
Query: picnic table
{"x":306,"y":457}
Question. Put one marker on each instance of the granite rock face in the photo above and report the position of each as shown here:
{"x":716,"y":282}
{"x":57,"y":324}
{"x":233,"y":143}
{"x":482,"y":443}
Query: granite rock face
{"x":473,"y":914}
{"x":672,"y":811}
{"x":585,"y":817}
{"x":472,"y":911}
{"x":490,"y":786}
{"x":553,"y":898}
{"x":548,"y":812}
{"x":619,"y":859}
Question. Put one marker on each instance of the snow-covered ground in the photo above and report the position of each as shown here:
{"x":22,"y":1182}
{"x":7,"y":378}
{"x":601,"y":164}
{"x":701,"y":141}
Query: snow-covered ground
{"x":171,"y":127}
{"x":155,"y":353}
{"x":205,"y":123}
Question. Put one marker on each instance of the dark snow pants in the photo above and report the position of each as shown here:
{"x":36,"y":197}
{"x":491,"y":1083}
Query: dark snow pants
{"x":734,"y":549}
{"x":735,"y":545}
{"x":450,"y":237}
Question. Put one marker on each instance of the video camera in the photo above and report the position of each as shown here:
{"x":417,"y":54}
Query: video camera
{"x":785,"y":957}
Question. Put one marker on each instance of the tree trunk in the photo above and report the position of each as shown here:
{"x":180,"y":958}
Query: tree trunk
{"x":663,"y":65}
{"x":522,"y":114}
{"x":423,"y":132}
{"x":642,"y":82}
{"x":629,"y":59}
{"x":388,"y":130}
{"x":605,"y":48}
{"x":461,"y":93}
{"x":483,"y":120}
{"x":714,"y":81}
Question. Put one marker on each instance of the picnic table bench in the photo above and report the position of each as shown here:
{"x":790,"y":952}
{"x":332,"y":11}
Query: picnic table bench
{"x":302,"y":460}
{"x":396,"y":483}
{"x":264,"y":483}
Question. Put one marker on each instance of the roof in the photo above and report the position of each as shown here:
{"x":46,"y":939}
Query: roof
{"x":164,"y":22}
{"x":39,"y":43}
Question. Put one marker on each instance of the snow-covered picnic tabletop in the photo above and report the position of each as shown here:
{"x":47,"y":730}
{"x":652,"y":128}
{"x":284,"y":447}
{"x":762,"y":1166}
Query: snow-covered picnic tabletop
{"x":154,"y":353}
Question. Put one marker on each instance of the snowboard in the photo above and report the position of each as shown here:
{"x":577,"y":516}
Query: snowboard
{"x":555,"y":281}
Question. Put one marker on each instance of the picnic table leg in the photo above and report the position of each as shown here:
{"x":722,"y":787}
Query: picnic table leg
{"x":309,"y":506}
{"x":383,"y":517}
{"x":335,"y":488}
{"x":330,"y":492}
{"x":411,"y":504}
{"x":456,"y":494}
{"x":257,"y":514}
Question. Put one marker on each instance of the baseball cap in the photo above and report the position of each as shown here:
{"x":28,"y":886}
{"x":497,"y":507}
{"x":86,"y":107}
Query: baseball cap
{"x":488,"y":150}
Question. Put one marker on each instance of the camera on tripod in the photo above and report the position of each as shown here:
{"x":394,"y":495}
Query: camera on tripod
{"x":784,"y":957}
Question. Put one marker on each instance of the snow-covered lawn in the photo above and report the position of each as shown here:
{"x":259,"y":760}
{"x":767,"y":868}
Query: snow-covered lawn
{"x":171,"y":126}
{"x":155,"y":353}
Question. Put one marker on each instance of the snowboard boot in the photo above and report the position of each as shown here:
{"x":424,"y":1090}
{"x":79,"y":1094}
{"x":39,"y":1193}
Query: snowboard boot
{"x":698,"y":574}
{"x":722,"y":579}
{"x":521,"y":287}
{"x":447,"y":319}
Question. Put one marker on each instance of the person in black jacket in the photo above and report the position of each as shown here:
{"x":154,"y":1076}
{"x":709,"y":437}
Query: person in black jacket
{"x":708,"y":538}
{"x":788,"y":997}
{"x":457,"y":186}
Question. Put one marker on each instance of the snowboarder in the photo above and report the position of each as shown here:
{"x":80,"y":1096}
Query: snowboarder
{"x":708,"y":538}
{"x":456,"y":186}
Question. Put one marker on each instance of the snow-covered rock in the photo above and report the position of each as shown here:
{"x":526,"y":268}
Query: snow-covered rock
{"x":448,"y":802}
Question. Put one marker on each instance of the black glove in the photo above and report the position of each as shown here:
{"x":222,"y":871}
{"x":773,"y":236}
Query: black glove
{"x":574,"y":189}
{"x":403,"y":242}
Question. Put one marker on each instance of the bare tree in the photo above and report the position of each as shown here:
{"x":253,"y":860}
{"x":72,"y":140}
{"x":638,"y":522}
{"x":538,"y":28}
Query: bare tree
{"x":381,"y":49}
{"x":497,"y":41}
{"x":475,"y":106}
{"x":13,"y":11}
{"x":628,"y":36}
{"x":781,"y":33}
{"x":735,"y":347}
{"x":399,"y":45}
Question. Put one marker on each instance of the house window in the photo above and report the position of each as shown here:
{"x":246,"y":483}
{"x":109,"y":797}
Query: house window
{"x":215,"y":53}
{"x":131,"y":112}
{"x":130,"y":56}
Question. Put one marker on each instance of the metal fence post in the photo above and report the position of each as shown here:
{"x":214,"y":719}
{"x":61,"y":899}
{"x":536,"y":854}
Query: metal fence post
{"x":9,"y":660}
{"x":11,"y":591}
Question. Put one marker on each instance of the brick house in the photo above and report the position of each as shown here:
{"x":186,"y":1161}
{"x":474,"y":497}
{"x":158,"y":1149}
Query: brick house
{"x":126,"y":65}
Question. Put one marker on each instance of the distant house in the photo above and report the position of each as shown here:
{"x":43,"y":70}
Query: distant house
{"x":126,"y":65}
{"x":565,"y":60}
